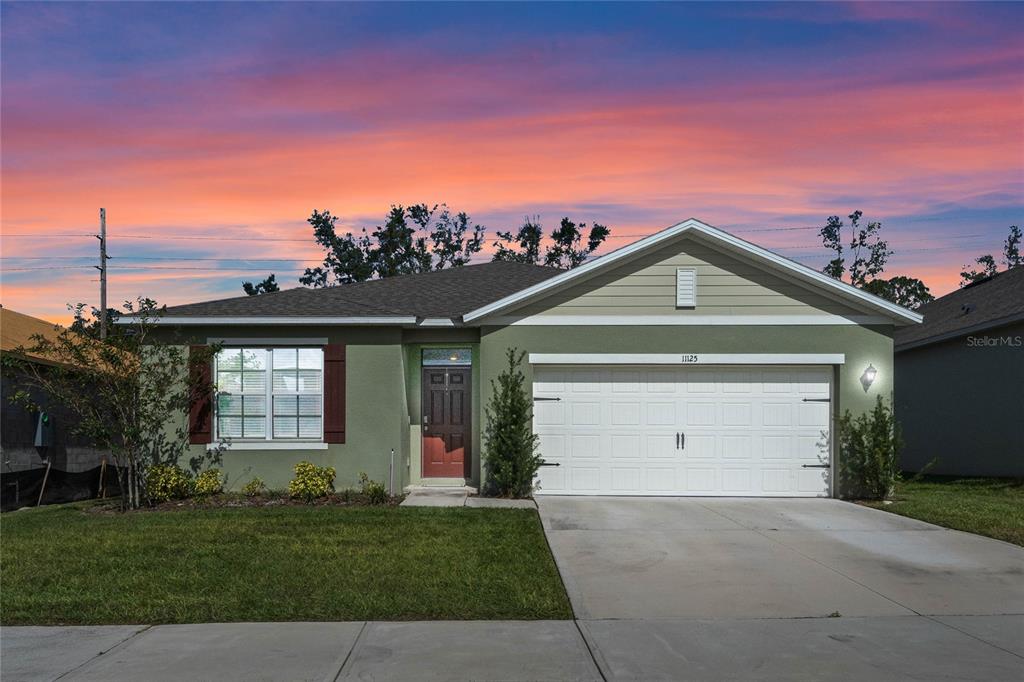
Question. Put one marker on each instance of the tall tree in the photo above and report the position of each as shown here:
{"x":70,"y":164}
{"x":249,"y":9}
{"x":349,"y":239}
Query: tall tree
{"x":989,"y":267}
{"x":267,"y":286}
{"x":868,"y":252}
{"x":419,"y":238}
{"x":908,"y":292}
{"x":567,"y":249}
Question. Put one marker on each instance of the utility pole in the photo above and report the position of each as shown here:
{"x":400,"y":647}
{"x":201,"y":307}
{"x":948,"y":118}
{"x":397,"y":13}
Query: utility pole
{"x":103,"y":272}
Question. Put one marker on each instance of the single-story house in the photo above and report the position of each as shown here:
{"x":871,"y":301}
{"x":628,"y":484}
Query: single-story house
{"x":690,"y":362}
{"x":960,"y":381}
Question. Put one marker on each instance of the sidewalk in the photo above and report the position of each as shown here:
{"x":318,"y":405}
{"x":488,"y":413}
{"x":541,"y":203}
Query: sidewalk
{"x":883,"y":648}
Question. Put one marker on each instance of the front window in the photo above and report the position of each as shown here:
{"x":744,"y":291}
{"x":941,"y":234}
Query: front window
{"x":270,"y":393}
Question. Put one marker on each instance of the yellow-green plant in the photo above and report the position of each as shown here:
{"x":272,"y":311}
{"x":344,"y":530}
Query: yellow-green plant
{"x":311,"y":481}
{"x":209,"y":482}
{"x":167,"y":482}
{"x":375,"y":492}
{"x":254,"y":488}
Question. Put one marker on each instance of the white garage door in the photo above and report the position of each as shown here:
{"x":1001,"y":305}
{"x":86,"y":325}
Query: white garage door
{"x":683,"y":431}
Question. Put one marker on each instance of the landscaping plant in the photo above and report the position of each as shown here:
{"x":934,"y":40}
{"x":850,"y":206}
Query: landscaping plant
{"x":168,"y":482}
{"x":254,"y":488}
{"x":129,"y":391}
{"x":510,"y":446}
{"x":374,"y":492}
{"x":311,"y":482}
{"x":869,"y":446}
{"x":209,"y":482}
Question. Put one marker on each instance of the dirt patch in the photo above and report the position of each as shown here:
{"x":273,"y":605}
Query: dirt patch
{"x":237,"y":500}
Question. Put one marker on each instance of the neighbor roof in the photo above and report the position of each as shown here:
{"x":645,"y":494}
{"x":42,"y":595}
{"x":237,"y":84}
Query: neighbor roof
{"x":989,"y":303}
{"x":440,"y":294}
{"x":17,"y":330}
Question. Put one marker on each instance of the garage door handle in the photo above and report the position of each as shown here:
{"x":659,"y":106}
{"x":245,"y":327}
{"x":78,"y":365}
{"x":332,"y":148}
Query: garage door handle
{"x":816,"y":466}
{"x":680,"y":441}
{"x":817,"y":400}
{"x":551,"y":464}
{"x":538,"y":399}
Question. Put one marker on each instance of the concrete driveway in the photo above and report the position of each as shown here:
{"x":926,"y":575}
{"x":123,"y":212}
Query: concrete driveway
{"x":765,"y":589}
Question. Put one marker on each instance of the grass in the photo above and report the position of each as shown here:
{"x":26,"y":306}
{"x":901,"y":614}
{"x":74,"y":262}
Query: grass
{"x":66,"y":565}
{"x":986,"y":506}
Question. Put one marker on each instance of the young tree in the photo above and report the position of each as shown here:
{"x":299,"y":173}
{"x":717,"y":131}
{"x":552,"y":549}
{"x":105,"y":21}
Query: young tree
{"x":908,"y":292}
{"x":566,"y":251}
{"x":510,"y":446}
{"x":130,"y":394}
{"x":435,"y":239}
{"x":267,"y":286}
{"x":868,"y":251}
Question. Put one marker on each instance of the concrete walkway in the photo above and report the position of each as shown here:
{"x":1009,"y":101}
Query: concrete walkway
{"x":880,"y":648}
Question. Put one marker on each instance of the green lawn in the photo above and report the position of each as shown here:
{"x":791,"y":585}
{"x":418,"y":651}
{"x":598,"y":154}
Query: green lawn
{"x":66,"y":565}
{"x":986,"y":506}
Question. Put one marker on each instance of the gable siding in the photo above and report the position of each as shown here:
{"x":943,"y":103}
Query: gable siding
{"x":725,"y":286}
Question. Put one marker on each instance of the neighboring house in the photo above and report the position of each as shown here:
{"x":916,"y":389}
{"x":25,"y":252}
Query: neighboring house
{"x":21,"y":463}
{"x":690,"y":362}
{"x":960,"y":381}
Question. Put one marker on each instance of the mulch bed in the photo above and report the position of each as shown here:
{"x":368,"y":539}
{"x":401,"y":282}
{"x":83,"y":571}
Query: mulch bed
{"x":238,"y":500}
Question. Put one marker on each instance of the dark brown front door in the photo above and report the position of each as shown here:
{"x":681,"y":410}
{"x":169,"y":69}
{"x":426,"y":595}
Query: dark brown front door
{"x":446,"y":422}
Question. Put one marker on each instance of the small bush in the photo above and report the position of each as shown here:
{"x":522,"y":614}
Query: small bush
{"x":254,"y":488}
{"x":168,"y":482}
{"x":210,"y":482}
{"x":311,"y":482}
{"x":510,"y":446}
{"x":869,"y":450}
{"x":375,"y":492}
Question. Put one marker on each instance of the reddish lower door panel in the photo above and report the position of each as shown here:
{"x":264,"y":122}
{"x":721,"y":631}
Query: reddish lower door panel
{"x":446,"y":422}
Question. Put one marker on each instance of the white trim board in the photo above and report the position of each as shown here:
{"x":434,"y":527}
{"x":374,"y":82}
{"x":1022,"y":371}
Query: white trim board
{"x":279,"y":320}
{"x":276,"y":341}
{"x":722,"y":239}
{"x":685,"y":319}
{"x":687,"y":358}
{"x":270,"y":445}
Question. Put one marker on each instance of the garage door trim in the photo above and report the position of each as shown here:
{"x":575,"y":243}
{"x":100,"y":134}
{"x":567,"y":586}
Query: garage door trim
{"x":687,"y":359}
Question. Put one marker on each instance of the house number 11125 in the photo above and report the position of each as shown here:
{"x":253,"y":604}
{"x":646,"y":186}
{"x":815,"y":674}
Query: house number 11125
{"x":690,"y":359}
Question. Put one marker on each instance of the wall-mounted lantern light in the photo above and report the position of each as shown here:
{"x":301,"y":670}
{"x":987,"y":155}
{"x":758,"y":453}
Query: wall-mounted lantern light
{"x":868,"y":377}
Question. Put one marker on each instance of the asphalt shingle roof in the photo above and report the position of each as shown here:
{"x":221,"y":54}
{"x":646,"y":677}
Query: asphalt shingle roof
{"x":989,"y":302}
{"x":442,"y":293}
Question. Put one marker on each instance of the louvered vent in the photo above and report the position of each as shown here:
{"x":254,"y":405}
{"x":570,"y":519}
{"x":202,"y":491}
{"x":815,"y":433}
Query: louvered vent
{"x":686,"y":288}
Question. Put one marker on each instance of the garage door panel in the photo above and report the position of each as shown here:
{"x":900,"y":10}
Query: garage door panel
{"x":748,"y":430}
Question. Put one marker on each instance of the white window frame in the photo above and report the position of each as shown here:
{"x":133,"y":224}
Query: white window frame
{"x":268,"y":370}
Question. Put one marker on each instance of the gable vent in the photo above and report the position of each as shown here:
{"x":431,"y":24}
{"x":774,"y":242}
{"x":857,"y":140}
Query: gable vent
{"x":686,"y":288}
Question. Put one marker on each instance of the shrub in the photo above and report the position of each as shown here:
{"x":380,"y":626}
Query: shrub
{"x":254,"y":487}
{"x":869,"y":447}
{"x":375,"y":492}
{"x":210,"y":482}
{"x":167,"y":482}
{"x":311,"y":481}
{"x":510,"y":446}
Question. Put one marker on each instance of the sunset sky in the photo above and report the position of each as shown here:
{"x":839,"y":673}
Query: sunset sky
{"x":209,"y":132}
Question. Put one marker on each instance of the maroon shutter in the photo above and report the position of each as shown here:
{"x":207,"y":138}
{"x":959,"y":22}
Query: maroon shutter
{"x":199,"y":423}
{"x":334,"y":393}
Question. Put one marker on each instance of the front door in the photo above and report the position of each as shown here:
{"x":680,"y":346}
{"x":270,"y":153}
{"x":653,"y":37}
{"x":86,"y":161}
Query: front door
{"x":446,"y":422}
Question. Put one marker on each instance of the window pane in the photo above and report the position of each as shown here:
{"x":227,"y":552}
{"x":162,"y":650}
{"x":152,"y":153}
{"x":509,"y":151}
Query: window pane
{"x":229,"y":382}
{"x":309,"y":381}
{"x":255,"y":427}
{"x":285,"y":427}
{"x":229,"y":358}
{"x":286,"y":358}
{"x":254,"y":382}
{"x":309,"y":427}
{"x":311,"y":358}
{"x":229,"y":427}
{"x":285,"y":405}
{"x":285,"y":382}
{"x":229,"y":405}
{"x":254,"y":358}
{"x":309,"y":405}
{"x":447,"y":356}
{"x":254,"y":405}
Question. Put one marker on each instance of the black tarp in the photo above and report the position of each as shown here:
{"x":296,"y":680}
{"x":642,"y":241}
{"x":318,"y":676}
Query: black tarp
{"x":21,"y":488}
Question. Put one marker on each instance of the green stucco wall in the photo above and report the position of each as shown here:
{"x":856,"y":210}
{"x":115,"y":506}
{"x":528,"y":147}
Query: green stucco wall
{"x":377,"y":417}
{"x":961,"y":403}
{"x":860,"y":345}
